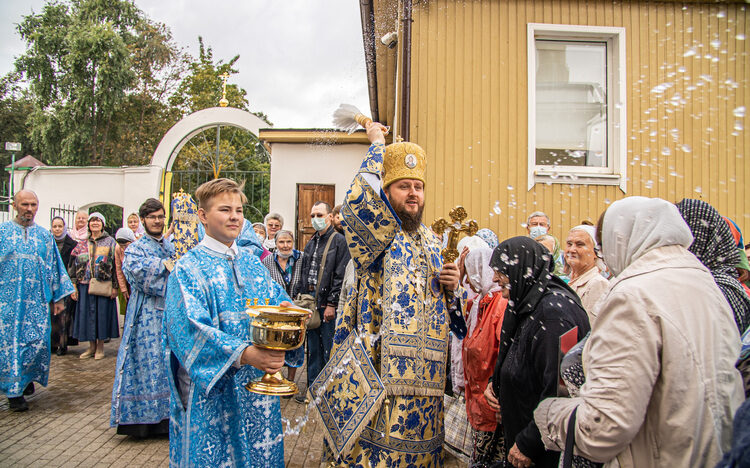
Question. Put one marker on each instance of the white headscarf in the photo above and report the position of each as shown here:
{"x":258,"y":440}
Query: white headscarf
{"x":478,"y":270}
{"x":479,"y":273}
{"x":635,"y":225}
{"x":591,"y":231}
{"x":472,"y":242}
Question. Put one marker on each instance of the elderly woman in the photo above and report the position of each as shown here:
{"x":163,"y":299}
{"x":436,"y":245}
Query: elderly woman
{"x":80,"y":226}
{"x":661,"y":387}
{"x":553,"y":246}
{"x":480,"y":348}
{"x":714,"y":246}
{"x":585,"y":275}
{"x":541,"y":308}
{"x":285,"y":266}
{"x":93,"y":261}
{"x":274,"y":223}
{"x":134,"y":224}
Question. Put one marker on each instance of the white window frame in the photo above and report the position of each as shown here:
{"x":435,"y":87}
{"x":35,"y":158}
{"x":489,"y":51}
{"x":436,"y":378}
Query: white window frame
{"x":615,"y":173}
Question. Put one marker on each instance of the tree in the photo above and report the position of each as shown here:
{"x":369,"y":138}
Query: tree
{"x":15,"y":106}
{"x":101,"y":75}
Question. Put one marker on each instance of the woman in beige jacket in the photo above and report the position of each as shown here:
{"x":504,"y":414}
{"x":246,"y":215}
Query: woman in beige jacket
{"x":661,"y":387}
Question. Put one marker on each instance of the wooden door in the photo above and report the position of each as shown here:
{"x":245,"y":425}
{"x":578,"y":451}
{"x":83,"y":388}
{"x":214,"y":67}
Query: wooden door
{"x":307,"y":196}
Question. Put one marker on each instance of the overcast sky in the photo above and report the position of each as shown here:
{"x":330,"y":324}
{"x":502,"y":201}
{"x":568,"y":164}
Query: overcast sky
{"x":299,"y":59}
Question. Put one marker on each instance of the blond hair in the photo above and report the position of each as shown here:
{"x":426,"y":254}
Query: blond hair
{"x":213,"y":188}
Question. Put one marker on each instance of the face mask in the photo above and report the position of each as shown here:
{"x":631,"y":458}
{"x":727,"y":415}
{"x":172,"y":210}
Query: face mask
{"x":284,"y":255}
{"x":537,"y":231}
{"x":260,"y":237}
{"x":318,"y":223}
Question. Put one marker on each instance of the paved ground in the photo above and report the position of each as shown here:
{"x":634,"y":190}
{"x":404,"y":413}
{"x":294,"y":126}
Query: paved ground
{"x":68,"y":424}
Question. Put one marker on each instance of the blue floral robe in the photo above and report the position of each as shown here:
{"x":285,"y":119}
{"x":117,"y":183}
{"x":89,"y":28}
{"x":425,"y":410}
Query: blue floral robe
{"x":399,"y":310}
{"x":206,"y":330}
{"x":32,"y":275}
{"x":140,"y":394}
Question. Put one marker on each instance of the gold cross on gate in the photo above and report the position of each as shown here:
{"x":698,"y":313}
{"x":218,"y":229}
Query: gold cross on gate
{"x":441,"y":226}
{"x":224,"y":102}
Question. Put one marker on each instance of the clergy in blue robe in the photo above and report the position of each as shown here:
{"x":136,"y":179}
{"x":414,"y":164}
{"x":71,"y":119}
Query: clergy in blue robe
{"x":140,"y":395}
{"x":32,"y":276}
{"x":214,"y":420}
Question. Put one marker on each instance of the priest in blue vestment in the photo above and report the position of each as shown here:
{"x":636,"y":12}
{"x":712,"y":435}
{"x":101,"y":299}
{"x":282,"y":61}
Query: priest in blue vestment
{"x":140,"y":394}
{"x":32,"y":276}
{"x":214,"y":420}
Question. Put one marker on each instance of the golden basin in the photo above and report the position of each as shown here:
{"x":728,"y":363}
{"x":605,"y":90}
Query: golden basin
{"x":279,"y":328}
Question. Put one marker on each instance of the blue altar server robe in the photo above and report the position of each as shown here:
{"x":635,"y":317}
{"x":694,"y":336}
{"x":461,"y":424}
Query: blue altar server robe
{"x":206,"y":329}
{"x":32,"y":275}
{"x":140,"y":394}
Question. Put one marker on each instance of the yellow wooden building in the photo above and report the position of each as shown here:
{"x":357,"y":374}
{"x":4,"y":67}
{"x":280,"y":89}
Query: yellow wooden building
{"x":564,"y":106}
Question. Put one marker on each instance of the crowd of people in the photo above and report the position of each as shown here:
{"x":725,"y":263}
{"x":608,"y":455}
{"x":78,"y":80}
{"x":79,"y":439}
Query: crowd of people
{"x":626,"y":344}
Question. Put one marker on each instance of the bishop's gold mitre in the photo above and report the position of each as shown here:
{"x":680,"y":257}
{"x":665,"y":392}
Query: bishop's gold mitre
{"x":403,"y":160}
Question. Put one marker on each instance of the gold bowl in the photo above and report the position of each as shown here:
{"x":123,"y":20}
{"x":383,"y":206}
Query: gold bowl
{"x":281,"y":329}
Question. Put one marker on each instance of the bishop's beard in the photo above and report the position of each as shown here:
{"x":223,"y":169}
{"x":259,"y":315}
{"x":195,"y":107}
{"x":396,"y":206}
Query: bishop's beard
{"x":409,"y":222}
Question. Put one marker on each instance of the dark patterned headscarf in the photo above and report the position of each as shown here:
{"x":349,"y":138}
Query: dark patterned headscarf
{"x":529,"y":266}
{"x":715,"y":247}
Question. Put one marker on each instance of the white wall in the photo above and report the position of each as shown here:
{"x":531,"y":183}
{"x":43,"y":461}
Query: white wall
{"x":299,"y":163}
{"x":82,"y":187}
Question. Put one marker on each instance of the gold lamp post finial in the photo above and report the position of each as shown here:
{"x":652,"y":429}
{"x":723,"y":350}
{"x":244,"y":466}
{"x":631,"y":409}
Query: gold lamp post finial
{"x":224,"y":102}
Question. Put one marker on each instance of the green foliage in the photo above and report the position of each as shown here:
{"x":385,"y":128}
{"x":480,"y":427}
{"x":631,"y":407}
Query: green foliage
{"x":101,"y":74}
{"x":15,"y":106}
{"x":105,"y":83}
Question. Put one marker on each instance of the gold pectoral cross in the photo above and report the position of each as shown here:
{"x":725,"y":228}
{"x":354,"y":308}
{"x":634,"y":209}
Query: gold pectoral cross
{"x":458,"y":214}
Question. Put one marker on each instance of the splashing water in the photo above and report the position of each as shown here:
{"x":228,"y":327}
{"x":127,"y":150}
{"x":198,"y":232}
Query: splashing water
{"x":739,"y":112}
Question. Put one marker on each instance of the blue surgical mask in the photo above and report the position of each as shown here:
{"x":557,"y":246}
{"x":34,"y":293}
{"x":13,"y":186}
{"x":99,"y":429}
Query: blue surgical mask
{"x":318,"y":224}
{"x":537,"y":231}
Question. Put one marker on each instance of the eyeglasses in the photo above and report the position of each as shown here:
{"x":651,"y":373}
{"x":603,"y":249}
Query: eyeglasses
{"x":155,"y":218}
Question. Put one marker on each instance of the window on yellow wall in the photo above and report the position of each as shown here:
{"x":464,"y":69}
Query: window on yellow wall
{"x":576,"y":105}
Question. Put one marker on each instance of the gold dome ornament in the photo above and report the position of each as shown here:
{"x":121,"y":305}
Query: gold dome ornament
{"x":403,"y":160}
{"x":224,"y":102}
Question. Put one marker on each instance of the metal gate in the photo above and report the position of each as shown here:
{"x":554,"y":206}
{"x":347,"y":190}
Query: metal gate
{"x":224,"y":151}
{"x":66,"y":212}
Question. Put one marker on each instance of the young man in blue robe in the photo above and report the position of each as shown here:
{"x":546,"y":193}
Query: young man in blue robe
{"x":140,"y":394}
{"x":215,"y":421}
{"x":32,"y":276}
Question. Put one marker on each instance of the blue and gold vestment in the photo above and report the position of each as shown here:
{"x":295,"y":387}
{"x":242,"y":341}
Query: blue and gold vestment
{"x":399,"y":310}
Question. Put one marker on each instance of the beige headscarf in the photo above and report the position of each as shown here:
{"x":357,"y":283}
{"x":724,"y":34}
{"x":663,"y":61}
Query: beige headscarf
{"x":635,"y":225}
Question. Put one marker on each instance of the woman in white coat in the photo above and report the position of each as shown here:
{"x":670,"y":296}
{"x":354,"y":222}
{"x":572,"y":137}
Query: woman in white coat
{"x":661,"y":387}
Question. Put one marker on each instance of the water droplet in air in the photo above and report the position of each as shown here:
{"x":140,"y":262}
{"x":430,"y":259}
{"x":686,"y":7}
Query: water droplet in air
{"x":739,"y":112}
{"x":510,"y":187}
{"x":649,"y":183}
{"x":738,"y":126}
{"x":497,"y":209}
{"x":740,"y":37}
{"x":659,"y":89}
{"x":665,"y":151}
{"x":682,"y":69}
{"x":686,"y":148}
{"x":698,"y":189}
{"x":715,"y":43}
{"x":690,"y":52}
{"x":721,"y":14}
{"x":607,"y":201}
